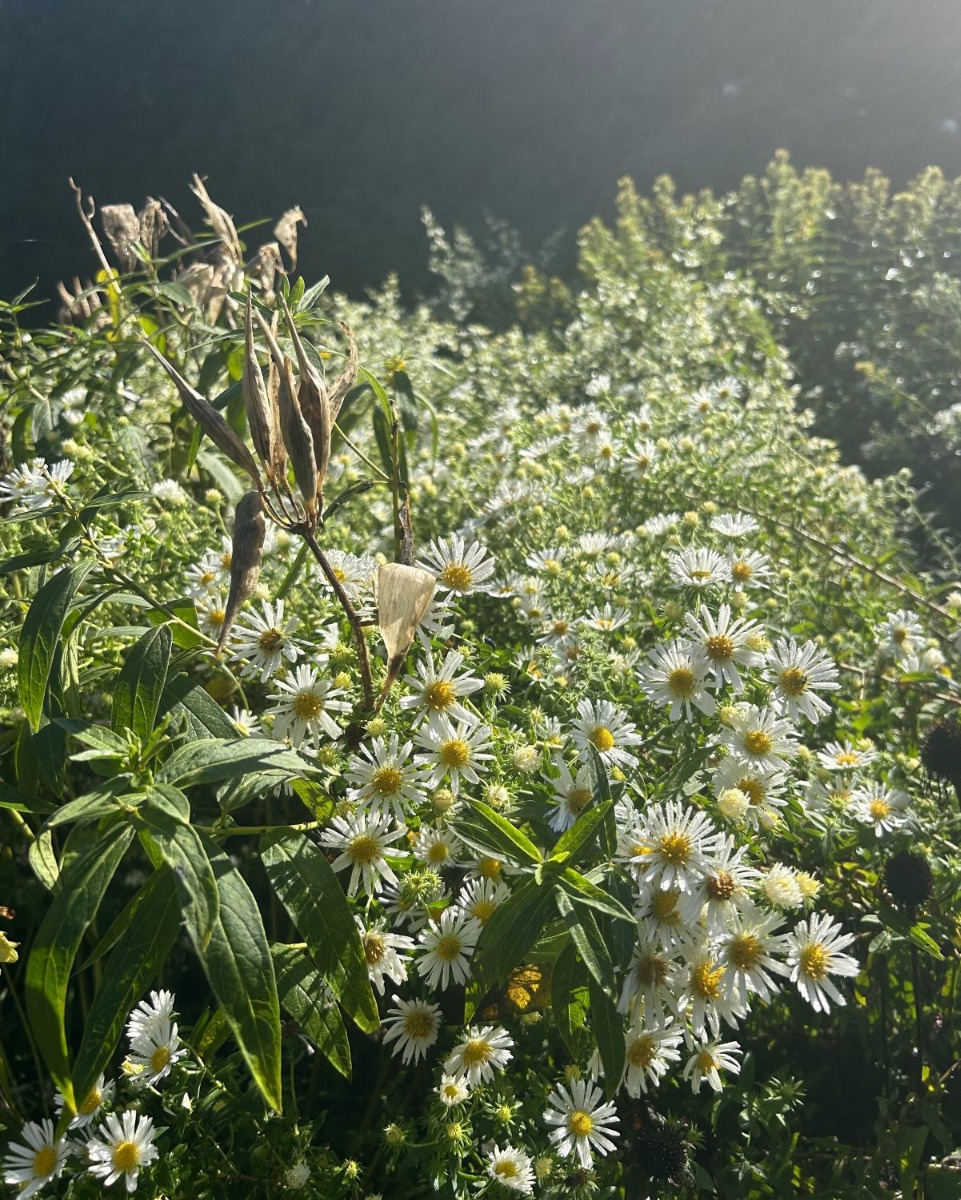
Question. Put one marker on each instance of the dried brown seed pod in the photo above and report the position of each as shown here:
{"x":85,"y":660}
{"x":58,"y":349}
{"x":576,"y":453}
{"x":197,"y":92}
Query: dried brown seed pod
{"x":246,"y":551}
{"x":121,"y":229}
{"x":220,"y":221}
{"x":257,"y":402}
{"x":312,"y":398}
{"x":285,"y":231}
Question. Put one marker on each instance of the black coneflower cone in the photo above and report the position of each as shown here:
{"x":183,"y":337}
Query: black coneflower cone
{"x":941,"y":751}
{"x":909,"y":878}
{"x":661,"y":1150}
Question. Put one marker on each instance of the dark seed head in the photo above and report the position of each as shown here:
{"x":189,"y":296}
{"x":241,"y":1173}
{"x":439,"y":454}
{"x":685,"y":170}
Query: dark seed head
{"x":909,"y":878}
{"x":941,"y":749}
{"x":661,"y":1150}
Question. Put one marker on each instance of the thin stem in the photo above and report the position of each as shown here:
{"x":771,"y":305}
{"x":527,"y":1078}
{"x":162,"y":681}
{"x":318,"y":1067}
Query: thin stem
{"x":360,"y":454}
{"x":918,"y":1018}
{"x":251,"y":830}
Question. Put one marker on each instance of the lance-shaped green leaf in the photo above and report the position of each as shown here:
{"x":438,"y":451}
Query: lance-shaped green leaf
{"x":588,"y":940}
{"x":567,"y":1011}
{"x":203,"y":712}
{"x":582,"y":891}
{"x":211,"y":760}
{"x":310,"y":892}
{"x":103,"y":801}
{"x":241,"y":972}
{"x":601,"y":791}
{"x":83,"y":884}
{"x":608,"y":1029}
{"x":184,"y":854}
{"x":306,"y":997}
{"x":511,"y":931}
{"x":40,"y":635}
{"x":673,"y":780}
{"x":581,"y":834}
{"x":140,"y":684}
{"x":137,"y":957}
{"x":488,"y":832}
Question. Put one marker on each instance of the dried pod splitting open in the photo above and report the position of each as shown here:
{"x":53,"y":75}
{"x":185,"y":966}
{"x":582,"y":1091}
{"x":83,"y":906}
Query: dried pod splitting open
{"x":245,"y":554}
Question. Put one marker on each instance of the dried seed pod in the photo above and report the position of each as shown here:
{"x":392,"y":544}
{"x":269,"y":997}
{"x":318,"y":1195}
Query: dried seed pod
{"x":153,"y":225}
{"x":285,"y":231}
{"x":220,"y":221}
{"x":210,"y":420}
{"x":403,"y":597}
{"x":312,"y":397}
{"x":245,"y":555}
{"x":121,"y":229}
{"x":296,"y":433}
{"x":338,"y":393}
{"x":260,"y":414}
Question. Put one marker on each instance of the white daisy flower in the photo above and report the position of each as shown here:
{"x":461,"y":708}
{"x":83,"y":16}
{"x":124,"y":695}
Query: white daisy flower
{"x":353,"y":572}
{"x":703,"y":998}
{"x":844,"y":756}
{"x":480,"y":898}
{"x":758,"y":735}
{"x":459,"y":567}
{"x":572,"y":794}
{"x":153,"y":1053}
{"x":263,"y":642}
{"x":668,"y":846}
{"x":764,"y":787}
{"x":454,"y":752}
{"x":385,"y":779}
{"x":707,"y":1062}
{"x":121,"y":1148}
{"x":480,"y":1053}
{"x":150,"y":1015}
{"x":601,"y":725}
{"x":37,"y":1160}
{"x":366,"y":841}
{"x":798,"y":674}
{"x":303,"y":706}
{"x":452,"y":1090}
{"x":883,"y":807}
{"x":385,"y":953}
{"x":581,"y":1122}
{"x":726,"y":644}
{"x":781,"y":888}
{"x":747,"y":951}
{"x":413,"y":1025}
{"x":650,"y":984}
{"x":649,"y":1049}
{"x":548,"y":561}
{"x":640,"y":457}
{"x":35,"y":485}
{"x":748,"y":568}
{"x":89,"y":1109}
{"x":814,"y":954}
{"x":211,"y":609}
{"x":206,"y":576}
{"x":436,"y":694}
{"x":606,"y":619}
{"x":675,"y":674}
{"x":734,"y":525}
{"x":901,"y":634}
{"x":512,"y":1169}
{"x":447,"y":947}
{"x":437,"y":848}
{"x":723,"y":892}
{"x":697,"y":567}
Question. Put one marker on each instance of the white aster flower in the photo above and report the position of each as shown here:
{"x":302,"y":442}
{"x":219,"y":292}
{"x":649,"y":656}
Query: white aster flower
{"x":413,"y":1025}
{"x":452,"y":1090}
{"x":296,"y":1176}
{"x":385,"y":953}
{"x":748,"y":568}
{"x":697,"y":567}
{"x":734,"y":525}
{"x":89,"y":1109}
{"x":454,"y":752}
{"x":814,"y":954}
{"x":669,"y":846}
{"x":581,"y":1122}
{"x":747,"y":950}
{"x":37,"y":1160}
{"x":763,"y":785}
{"x":606,"y":619}
{"x":436,"y":694}
{"x":901,"y":634}
{"x":649,"y":986}
{"x":436,"y":847}
{"x":781,"y":887}
{"x":353,"y":572}
{"x":480,"y":1053}
{"x":459,"y":567}
{"x":844,"y":756}
{"x":707,"y":1062}
{"x":675,"y":675}
{"x":121,"y":1148}
{"x":366,"y":841}
{"x":798,"y":674}
{"x":760,"y":736}
{"x":35,"y":485}
{"x":512,"y":1169}
{"x":703,"y":997}
{"x":572,"y":794}
{"x":447,"y":947}
{"x":883,"y":807}
{"x":726,"y":644}
{"x":480,"y":898}
{"x":649,"y":1049}
{"x":263,"y":642}
{"x":601,"y":725}
{"x":303,"y":706}
{"x":385,"y":778}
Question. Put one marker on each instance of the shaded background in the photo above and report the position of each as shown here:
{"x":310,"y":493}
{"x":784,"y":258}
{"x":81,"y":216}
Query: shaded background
{"x":363,"y":112}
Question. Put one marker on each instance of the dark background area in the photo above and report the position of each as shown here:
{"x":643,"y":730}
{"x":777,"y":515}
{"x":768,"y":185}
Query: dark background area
{"x":361,"y":112}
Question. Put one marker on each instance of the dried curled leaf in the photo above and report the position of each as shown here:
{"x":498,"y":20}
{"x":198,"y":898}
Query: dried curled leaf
{"x":403,"y":598}
{"x":220,"y":221}
{"x":245,"y":554}
{"x":121,"y":228}
{"x":285,"y":231}
{"x":153,"y":225}
{"x":210,"y":420}
{"x":338,"y":393}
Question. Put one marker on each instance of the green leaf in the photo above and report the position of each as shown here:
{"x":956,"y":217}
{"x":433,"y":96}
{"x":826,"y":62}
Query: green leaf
{"x":241,"y":972}
{"x":919,"y":935}
{"x":608,"y":1030}
{"x":587,"y":938}
{"x":582,"y":891}
{"x":204,"y":713}
{"x":17,"y":801}
{"x":581,"y":833}
{"x":212,"y":760}
{"x":313,"y":897}
{"x":567,"y":1012}
{"x":43,"y":861}
{"x":672,"y":781}
{"x":510,"y":933}
{"x":137,"y":692}
{"x":40,"y":636}
{"x":84,"y":882}
{"x":123,"y":919}
{"x":184,"y":854}
{"x":147,"y":939}
{"x":306,"y":997}
{"x":101,"y":802}
{"x":489,"y":833}
{"x":601,"y":791}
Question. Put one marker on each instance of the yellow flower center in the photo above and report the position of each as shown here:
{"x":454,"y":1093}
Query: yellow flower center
{"x":454,"y":753}
{"x":215,"y":617}
{"x":847,"y":758}
{"x":741,"y":571}
{"x":664,"y":906}
{"x":579,"y":1123}
{"x":601,"y":739}
{"x":675,"y":848}
{"x":552,"y":566}
{"x":92,"y":1103}
{"x":720,"y":648}
{"x":489,"y":868}
{"x":438,"y":852}
{"x":44,"y":1161}
{"x":483,"y":910}
{"x":375,"y":946}
{"x":126,"y":1156}
{"x":477,"y":1051}
{"x":682,"y":682}
{"x":706,"y":980}
{"x":226,"y":560}
{"x":364,"y":850}
{"x":745,"y":951}
{"x":650,"y":970}
{"x":752,"y":788}
{"x":706,"y":1061}
{"x":900,"y":635}
{"x":720,"y":886}
{"x":340,"y":574}
{"x":448,"y":947}
{"x":160,"y":1058}
{"x":307,"y":706}
{"x":417,"y":1025}
{"x":700,"y":575}
{"x":457,"y":576}
{"x":814,"y":961}
{"x":578,"y":799}
{"x":756,"y":741}
{"x":879,"y":809}
{"x":641,"y":1051}
{"x":386,"y":781}
{"x":270,"y":640}
{"x":560,"y":628}
{"x":506,"y":1169}
{"x":439,"y":695}
{"x":794,"y":681}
